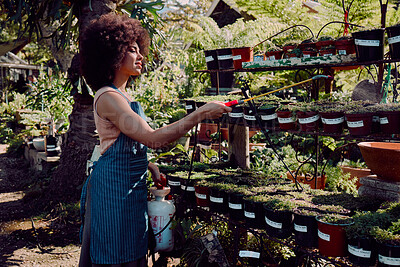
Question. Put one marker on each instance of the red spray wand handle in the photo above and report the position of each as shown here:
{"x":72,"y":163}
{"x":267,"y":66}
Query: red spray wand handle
{"x":233,"y":103}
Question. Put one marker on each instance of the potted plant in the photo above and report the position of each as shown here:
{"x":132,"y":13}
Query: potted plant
{"x":267,"y":112}
{"x":278,"y":215}
{"x":357,"y":169}
{"x":332,"y":116}
{"x":361,"y":244}
{"x":369,"y":44}
{"x":274,"y":53}
{"x":305,"y":225}
{"x":286,"y":117}
{"x":305,"y":45}
{"x":219,"y":197}
{"x":332,"y":235}
{"x":310,"y":52}
{"x":307,"y":116}
{"x":345,"y":45}
{"x":235,"y":201}
{"x":393,"y":34}
{"x":389,"y":117}
{"x":202,"y":192}
{"x":324,"y":41}
{"x":254,"y":211}
{"x":359,"y":117}
{"x":328,"y":50}
{"x":388,"y":244}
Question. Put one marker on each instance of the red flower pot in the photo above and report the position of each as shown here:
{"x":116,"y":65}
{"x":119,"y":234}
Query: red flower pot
{"x":273,"y":55}
{"x":286,"y":120}
{"x":308,"y":120}
{"x":307,"y":53}
{"x":321,"y":180}
{"x":240,"y":55}
{"x":359,"y":124}
{"x":202,"y":196}
{"x":331,"y":238}
{"x":321,"y":44}
{"x":327,"y":52}
{"x":345,"y":47}
{"x":332,"y":122}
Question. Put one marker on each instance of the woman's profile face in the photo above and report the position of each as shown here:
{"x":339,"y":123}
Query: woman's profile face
{"x":132,"y":62}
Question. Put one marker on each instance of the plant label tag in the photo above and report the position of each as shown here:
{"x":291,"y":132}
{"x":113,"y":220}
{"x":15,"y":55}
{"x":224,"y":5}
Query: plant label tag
{"x":216,"y":199}
{"x":383,"y":120}
{"x":258,"y":58}
{"x":189,"y":188}
{"x":355,"y":124}
{"x":389,"y":260}
{"x":249,"y":117}
{"x":273,"y":224}
{"x":361,"y":42}
{"x":359,"y":252}
{"x":286,"y":120}
{"x":342,"y":52}
{"x":189,"y":107}
{"x":393,"y":40}
{"x":324,"y":236}
{"x":235,"y":206}
{"x":327,"y":55}
{"x":174,"y":183}
{"x":309,"y":119}
{"x":224,"y":57}
{"x":250,"y":215}
{"x":269,"y":117}
{"x":272,"y":58}
{"x":237,"y":57}
{"x":249,"y":254}
{"x":306,"y":55}
{"x":201,"y":196}
{"x":300,"y":228}
{"x":332,"y":121}
{"x":209,"y":59}
{"x":235,"y":115}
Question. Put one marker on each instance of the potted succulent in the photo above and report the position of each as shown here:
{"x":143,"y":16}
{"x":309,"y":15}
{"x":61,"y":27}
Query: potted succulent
{"x":219,"y":197}
{"x":307,"y":44}
{"x":345,"y":45}
{"x":310,"y":52}
{"x":235,"y":201}
{"x":332,"y":235}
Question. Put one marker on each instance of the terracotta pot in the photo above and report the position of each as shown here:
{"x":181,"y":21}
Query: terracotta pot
{"x":202,"y":194}
{"x":389,"y":122}
{"x":331,"y":238}
{"x":286,"y":120}
{"x":359,"y":124}
{"x":345,"y":47}
{"x":241,"y":54}
{"x":225,"y":133}
{"x":206,"y":130}
{"x":356,"y":173}
{"x":383,"y":158}
{"x":332,"y":122}
{"x":308,"y":121}
{"x":321,"y":180}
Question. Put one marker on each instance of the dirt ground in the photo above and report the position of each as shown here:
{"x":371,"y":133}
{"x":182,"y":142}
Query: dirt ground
{"x":26,"y":237}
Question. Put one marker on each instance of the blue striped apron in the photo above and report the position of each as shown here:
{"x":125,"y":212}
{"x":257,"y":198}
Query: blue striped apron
{"x":119,"y":221}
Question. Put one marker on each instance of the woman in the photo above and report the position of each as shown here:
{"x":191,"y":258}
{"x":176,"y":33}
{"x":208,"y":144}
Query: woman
{"x":114,"y":198}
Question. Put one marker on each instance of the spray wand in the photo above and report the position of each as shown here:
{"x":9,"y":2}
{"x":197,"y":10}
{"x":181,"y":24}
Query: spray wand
{"x":241,"y":101}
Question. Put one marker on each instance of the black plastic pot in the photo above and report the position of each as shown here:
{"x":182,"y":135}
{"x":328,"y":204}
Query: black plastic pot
{"x":218,"y":201}
{"x":278,"y":223}
{"x":394,"y":41}
{"x":249,"y":117}
{"x":305,"y":229}
{"x":268,"y":117}
{"x":211,"y":59}
{"x":225,"y":59}
{"x":190,"y":106}
{"x":226,"y":80}
{"x":369,"y":44}
{"x":174,"y":183}
{"x":362,"y":251}
{"x":388,"y":255}
{"x":235,"y":206}
{"x":254,"y":213}
{"x":187,"y":190}
{"x":236,"y":115}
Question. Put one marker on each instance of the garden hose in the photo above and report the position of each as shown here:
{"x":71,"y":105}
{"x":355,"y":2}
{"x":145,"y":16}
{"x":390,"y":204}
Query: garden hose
{"x":386,"y":85}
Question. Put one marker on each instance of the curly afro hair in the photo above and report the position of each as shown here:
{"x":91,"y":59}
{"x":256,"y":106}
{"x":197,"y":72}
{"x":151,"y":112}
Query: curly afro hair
{"x":103,"y":45}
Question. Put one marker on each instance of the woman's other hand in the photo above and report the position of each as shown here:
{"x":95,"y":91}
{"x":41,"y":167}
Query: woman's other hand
{"x":214,"y":109}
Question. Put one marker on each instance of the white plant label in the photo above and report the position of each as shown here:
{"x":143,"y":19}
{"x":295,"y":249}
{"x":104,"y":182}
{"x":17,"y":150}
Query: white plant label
{"x":393,"y":40}
{"x":235,"y":115}
{"x":272,"y":58}
{"x":375,"y":118}
{"x":383,"y":120}
{"x":332,"y":121}
{"x":361,"y":42}
{"x":249,"y":254}
{"x":327,"y":55}
{"x":174,"y":183}
{"x":342,"y":52}
{"x":324,"y":236}
{"x":309,"y":119}
{"x":306,"y":55}
{"x":258,"y":58}
{"x":250,"y":215}
{"x":235,"y":206}
{"x":189,"y":188}
{"x":224,"y":57}
{"x":189,"y":106}
{"x":273,"y":224}
{"x":300,"y":228}
{"x":201,"y":196}
{"x":216,"y":199}
{"x":355,"y":124}
{"x":237,"y":57}
{"x":359,"y":252}
{"x":389,"y":260}
{"x":249,"y":117}
{"x":269,"y":117}
{"x":209,"y":58}
{"x":286,"y":120}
